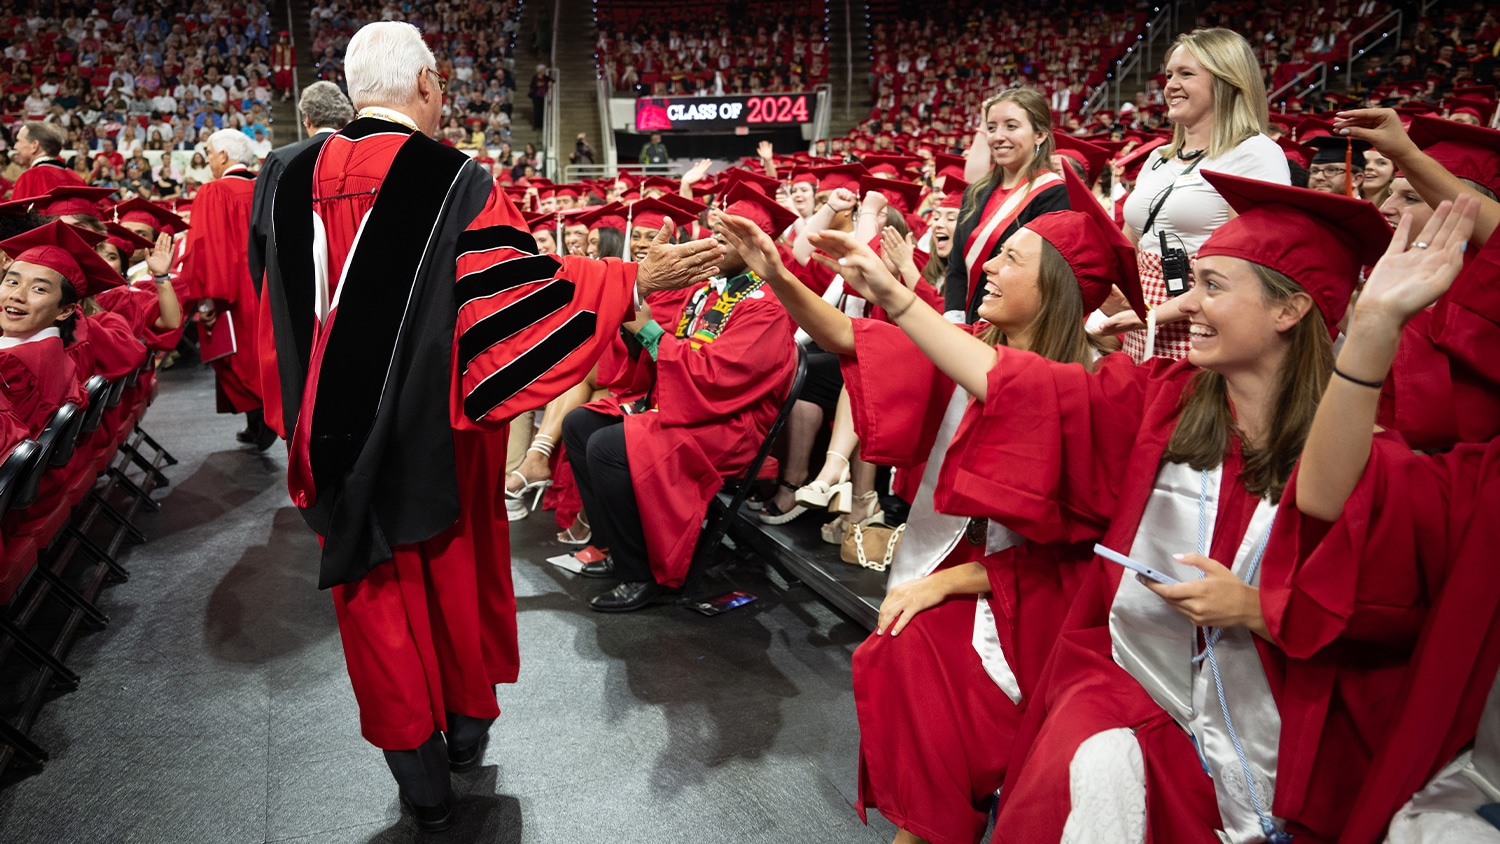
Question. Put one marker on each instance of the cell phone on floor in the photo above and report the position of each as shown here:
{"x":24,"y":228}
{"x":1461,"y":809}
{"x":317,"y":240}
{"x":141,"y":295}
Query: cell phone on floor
{"x":724,"y":603}
{"x":1139,"y":568}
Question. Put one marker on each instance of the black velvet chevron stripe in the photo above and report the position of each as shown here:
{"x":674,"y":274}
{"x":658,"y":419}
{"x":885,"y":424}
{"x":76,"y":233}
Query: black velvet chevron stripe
{"x":495,"y":237}
{"x":512,"y":273}
{"x":513,"y":318}
{"x":528,"y":367}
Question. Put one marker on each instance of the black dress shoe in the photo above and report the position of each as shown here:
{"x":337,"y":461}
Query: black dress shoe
{"x":430,"y":818}
{"x":265,"y":437}
{"x":467,"y":759}
{"x":628,"y":597}
{"x":602,"y":568}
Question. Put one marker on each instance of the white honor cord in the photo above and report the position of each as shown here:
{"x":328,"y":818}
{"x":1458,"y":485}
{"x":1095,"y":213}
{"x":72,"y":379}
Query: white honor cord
{"x":1210,"y":637}
{"x":1150,"y":334}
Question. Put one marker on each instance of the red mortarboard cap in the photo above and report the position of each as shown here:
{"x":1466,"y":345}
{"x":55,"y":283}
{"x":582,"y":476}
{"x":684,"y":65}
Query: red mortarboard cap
{"x":839,"y":176}
{"x":126,"y":240}
{"x":738,"y":175}
{"x":1412,"y":109}
{"x":1319,"y":240}
{"x":138,"y":210}
{"x":541,"y":223}
{"x":1300,"y":153}
{"x":611,"y":216}
{"x":947,"y":165}
{"x":661,"y":183}
{"x":953,"y":193}
{"x":772,"y":217}
{"x":1094,"y":246}
{"x":1091,"y":156}
{"x":1468,"y":152}
{"x":652,"y":214}
{"x":904,"y":196}
{"x":567,"y":190}
{"x":1136,"y":158}
{"x":1314,"y":127}
{"x":1482,"y":107}
{"x":682,"y":203}
{"x":70,"y":199}
{"x":891,"y":166}
{"x":806,"y":176}
{"x":69,"y":251}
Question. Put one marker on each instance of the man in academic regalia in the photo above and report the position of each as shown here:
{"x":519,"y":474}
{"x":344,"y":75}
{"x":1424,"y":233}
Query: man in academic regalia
{"x":409,"y":332}
{"x":216,"y":269}
{"x":721,"y":374}
{"x":38,"y":146}
{"x":324,"y":110}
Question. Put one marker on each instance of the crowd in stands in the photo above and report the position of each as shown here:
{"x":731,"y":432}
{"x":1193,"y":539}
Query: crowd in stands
{"x":765,"y":46}
{"x":474,"y":43}
{"x":130,"y":83}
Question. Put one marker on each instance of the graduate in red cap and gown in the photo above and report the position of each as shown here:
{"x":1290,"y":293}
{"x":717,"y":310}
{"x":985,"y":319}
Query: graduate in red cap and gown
{"x":216,"y":269}
{"x":718,"y":377}
{"x":151,"y":305}
{"x":283,"y":62}
{"x":971,"y":609}
{"x":409,"y":334}
{"x":1179,"y":465}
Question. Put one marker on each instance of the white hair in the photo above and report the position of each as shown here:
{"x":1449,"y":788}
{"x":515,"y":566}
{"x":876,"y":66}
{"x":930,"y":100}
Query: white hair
{"x":233,"y":143}
{"x":382,"y":62}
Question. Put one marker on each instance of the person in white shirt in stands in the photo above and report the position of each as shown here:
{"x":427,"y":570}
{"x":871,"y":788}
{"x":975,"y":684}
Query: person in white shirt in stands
{"x":1171,"y":197}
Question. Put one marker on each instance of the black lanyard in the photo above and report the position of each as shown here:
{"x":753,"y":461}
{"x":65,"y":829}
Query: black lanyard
{"x":1162,"y":198}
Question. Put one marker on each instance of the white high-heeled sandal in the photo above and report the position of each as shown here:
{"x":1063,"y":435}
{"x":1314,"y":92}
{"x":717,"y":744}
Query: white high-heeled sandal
{"x":834,"y":496}
{"x":541,"y":445}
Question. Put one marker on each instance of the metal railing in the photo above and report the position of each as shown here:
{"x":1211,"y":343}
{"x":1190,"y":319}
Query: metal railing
{"x":576,"y":172}
{"x":296,"y":86}
{"x":848,"y":63}
{"x":551,"y":132}
{"x":1137,"y":56}
{"x":1320,"y":70}
{"x":1385,"y":34}
{"x":605,"y":146}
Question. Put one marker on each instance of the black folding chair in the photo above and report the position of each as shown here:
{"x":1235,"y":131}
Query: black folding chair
{"x":98,"y":389}
{"x":719,"y":513}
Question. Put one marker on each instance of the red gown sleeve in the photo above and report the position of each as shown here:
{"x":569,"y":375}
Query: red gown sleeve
{"x":1045,"y":453}
{"x":897,"y":396}
{"x":1370,"y":574}
{"x":728,"y":376}
{"x":117,"y":349}
{"x":529,"y":326}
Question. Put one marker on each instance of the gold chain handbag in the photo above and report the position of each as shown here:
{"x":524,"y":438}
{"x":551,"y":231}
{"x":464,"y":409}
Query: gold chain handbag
{"x":871,"y":546}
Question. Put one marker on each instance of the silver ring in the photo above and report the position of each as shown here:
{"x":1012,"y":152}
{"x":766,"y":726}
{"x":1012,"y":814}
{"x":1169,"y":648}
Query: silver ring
{"x":1420,"y":245}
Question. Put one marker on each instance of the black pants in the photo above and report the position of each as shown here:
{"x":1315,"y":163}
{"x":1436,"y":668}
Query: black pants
{"x":538,"y":104}
{"x":422,"y":774}
{"x":596,"y":451}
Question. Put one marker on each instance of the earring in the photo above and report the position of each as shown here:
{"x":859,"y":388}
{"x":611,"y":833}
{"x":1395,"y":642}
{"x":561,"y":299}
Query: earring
{"x":1038,"y":148}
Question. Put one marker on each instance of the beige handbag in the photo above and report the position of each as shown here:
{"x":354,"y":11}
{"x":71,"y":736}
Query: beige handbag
{"x":871,"y":546}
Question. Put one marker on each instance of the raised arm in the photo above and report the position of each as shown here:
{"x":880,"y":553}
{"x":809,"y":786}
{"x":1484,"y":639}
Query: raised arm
{"x":841,"y":199}
{"x":1403,"y":283}
{"x":960,"y":355}
{"x":828,"y":326}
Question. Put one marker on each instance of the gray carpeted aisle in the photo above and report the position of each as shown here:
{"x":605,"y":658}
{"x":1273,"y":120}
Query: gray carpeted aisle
{"x":215,"y":707}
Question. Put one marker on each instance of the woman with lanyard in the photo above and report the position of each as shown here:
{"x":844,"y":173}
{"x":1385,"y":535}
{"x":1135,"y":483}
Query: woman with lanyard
{"x":1179,"y":466}
{"x":1019,"y":187}
{"x":1216,"y":101}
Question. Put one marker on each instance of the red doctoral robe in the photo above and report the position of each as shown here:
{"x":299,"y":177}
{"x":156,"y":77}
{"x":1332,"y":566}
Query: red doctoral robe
{"x":1060,"y":455}
{"x":216,"y":266}
{"x":43,"y":176}
{"x":935,"y":729}
{"x":433,"y":629}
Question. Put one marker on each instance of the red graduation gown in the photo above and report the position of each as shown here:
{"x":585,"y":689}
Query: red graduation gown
{"x":1417,"y":532}
{"x":935,"y":729}
{"x":42,"y":177}
{"x":138,"y":304}
{"x":216,"y":266}
{"x":714,"y":405}
{"x":434,"y":630}
{"x":1058,"y":454}
{"x":36,"y":379}
{"x":105,"y":344}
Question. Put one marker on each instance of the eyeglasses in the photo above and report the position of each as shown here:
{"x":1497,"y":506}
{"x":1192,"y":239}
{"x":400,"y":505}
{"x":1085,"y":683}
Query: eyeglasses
{"x":1329,"y":172}
{"x":442,"y":80}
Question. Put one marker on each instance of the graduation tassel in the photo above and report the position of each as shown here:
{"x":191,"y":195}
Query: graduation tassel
{"x":629,"y":216}
{"x":1349,"y":168}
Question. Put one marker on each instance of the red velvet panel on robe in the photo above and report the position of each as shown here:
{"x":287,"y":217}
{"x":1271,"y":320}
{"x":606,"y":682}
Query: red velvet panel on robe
{"x":216,"y":266}
{"x":270,"y":378}
{"x":41,"y":178}
{"x":714,"y":406}
{"x":1423,"y":533}
{"x":433,"y":630}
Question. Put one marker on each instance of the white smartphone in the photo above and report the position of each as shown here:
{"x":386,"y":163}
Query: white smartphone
{"x":1140,"y":568}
